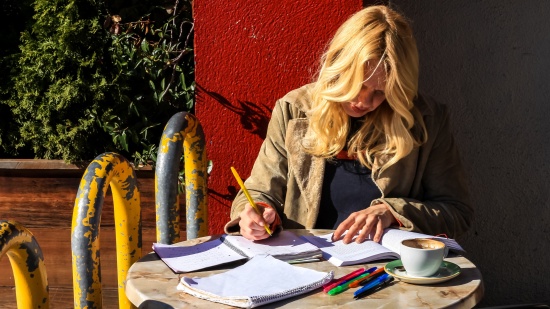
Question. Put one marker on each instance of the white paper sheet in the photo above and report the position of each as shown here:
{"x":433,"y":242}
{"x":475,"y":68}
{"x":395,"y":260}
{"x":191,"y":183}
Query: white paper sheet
{"x":204,"y":255}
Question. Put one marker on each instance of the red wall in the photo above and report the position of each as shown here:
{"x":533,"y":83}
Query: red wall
{"x":248,"y":54}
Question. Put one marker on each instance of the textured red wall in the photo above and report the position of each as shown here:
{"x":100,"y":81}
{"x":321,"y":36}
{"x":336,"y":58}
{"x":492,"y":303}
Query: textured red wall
{"x":248,"y":54}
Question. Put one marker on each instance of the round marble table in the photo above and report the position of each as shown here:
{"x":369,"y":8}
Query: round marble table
{"x":151,"y":284}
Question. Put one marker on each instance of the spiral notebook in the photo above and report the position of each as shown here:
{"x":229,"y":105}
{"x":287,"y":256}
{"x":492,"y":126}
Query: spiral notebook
{"x":261,"y":280}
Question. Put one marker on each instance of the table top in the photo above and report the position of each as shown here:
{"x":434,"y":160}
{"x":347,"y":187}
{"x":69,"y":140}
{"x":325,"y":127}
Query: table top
{"x":151,"y":284}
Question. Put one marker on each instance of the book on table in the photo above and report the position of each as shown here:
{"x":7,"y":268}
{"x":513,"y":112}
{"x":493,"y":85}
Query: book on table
{"x":261,"y":280}
{"x":340,"y":254}
{"x":285,"y":246}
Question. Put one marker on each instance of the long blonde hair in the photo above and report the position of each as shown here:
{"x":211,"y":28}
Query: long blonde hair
{"x":379,"y":35}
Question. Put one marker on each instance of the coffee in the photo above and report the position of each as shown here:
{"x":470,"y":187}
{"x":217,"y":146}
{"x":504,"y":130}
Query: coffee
{"x":422,"y":257}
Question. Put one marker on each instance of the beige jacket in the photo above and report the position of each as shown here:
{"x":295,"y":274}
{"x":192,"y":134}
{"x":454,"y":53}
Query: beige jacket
{"x":426,"y":190}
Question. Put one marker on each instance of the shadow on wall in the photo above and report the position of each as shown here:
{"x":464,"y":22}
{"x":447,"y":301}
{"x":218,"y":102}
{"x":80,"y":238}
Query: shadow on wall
{"x":254,"y":117}
{"x":224,"y":198}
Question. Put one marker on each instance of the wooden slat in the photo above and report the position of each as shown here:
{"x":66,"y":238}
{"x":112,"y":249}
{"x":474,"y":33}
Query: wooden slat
{"x":56,"y":247}
{"x":52,"y":168}
{"x":24,"y":188}
{"x":59,"y":215}
{"x":60,"y":298}
{"x":34,"y":164}
{"x":34,"y":202}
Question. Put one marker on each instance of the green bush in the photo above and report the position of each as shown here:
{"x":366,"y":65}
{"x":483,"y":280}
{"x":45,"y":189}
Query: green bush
{"x":94,"y":76}
{"x":16,"y":15}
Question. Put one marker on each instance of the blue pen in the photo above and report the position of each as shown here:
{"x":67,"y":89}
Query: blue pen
{"x":378,"y":281}
{"x":376,"y":288}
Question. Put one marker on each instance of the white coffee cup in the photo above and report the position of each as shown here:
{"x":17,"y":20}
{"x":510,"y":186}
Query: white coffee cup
{"x":422,"y":257}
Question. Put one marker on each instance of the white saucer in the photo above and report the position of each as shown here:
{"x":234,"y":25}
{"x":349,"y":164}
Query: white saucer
{"x":446,"y":271}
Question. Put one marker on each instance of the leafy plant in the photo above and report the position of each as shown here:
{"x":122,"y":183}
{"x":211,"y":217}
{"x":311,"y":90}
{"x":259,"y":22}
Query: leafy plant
{"x":86,"y":81}
{"x":59,"y":84}
{"x":156,"y":59}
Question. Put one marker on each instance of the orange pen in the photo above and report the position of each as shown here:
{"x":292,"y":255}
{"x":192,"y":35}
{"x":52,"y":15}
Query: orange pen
{"x":369,"y":277}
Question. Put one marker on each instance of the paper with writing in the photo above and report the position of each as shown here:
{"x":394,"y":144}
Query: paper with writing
{"x":283,"y":246}
{"x":191,"y":258}
{"x":341,"y":254}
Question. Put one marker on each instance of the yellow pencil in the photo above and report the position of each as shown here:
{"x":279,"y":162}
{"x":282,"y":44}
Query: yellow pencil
{"x":241,"y":183}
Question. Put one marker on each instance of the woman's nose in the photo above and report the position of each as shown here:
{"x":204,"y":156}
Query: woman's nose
{"x":365,"y":97}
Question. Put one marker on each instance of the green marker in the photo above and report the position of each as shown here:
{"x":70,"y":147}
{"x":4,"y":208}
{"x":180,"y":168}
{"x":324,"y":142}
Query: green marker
{"x":341,"y":288}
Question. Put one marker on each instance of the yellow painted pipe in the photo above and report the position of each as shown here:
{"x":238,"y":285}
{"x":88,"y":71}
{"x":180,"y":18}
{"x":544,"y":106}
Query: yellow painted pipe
{"x":183,"y":134}
{"x":27,"y":262}
{"x":108,"y":169}
{"x":196,"y":176}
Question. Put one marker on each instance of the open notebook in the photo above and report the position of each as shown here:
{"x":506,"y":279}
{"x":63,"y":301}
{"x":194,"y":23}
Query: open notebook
{"x":261,"y":280}
{"x":285,"y":246}
{"x":341,"y":254}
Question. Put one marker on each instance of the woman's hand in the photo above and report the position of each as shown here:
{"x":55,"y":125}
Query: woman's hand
{"x":372,"y":220}
{"x":252,"y":224}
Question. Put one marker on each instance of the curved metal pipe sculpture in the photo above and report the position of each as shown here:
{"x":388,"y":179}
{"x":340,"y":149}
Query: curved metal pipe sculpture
{"x":27,"y":262}
{"x":114,"y":170}
{"x":183,"y":134}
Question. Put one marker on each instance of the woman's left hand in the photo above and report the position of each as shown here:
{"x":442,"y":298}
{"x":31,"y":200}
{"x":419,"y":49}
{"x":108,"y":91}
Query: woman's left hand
{"x":373,"y":219}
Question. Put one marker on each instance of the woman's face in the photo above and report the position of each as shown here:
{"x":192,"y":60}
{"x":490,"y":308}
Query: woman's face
{"x":371,"y":94}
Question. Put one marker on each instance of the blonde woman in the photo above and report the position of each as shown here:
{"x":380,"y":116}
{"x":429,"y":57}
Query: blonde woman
{"x":359,"y":149}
